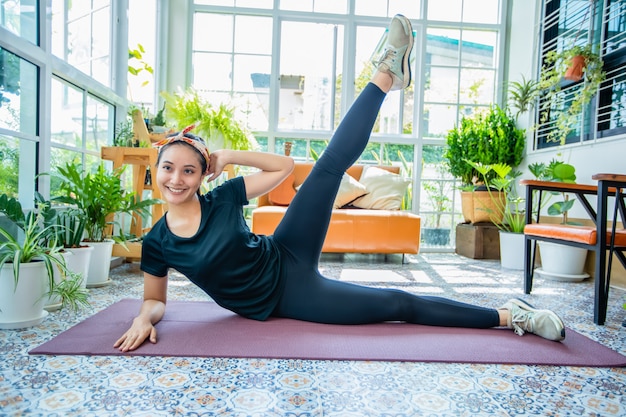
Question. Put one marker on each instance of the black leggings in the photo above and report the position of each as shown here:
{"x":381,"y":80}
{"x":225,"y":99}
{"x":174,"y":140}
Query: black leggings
{"x":312,"y":297}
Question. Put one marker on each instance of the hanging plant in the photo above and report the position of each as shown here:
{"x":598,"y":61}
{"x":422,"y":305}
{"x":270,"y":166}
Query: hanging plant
{"x":576,"y":64}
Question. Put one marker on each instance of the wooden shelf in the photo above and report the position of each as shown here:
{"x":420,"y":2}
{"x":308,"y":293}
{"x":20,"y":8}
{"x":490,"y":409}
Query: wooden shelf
{"x":140,"y":159}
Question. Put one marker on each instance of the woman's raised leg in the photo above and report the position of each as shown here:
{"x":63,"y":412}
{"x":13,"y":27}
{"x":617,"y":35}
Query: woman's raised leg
{"x":304,"y":226}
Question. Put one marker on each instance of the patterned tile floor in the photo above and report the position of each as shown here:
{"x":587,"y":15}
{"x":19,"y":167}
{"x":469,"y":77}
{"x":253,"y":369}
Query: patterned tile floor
{"x":144,"y":386}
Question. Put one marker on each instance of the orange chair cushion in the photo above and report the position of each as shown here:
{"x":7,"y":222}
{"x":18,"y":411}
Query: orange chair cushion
{"x":284,"y":192}
{"x":580,"y":234}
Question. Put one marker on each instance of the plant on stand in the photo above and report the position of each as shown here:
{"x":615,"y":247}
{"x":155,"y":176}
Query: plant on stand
{"x":561,"y":262}
{"x":99,"y":197}
{"x":216,"y":124}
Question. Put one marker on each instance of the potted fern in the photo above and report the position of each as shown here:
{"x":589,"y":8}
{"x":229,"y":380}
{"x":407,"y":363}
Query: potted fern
{"x":216,"y":124}
{"x":98,"y":197}
{"x":28,"y":259}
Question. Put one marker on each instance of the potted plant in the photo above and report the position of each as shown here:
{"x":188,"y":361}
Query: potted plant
{"x":522,"y":95}
{"x":98,"y":196}
{"x":489,"y":137}
{"x":28,"y":258}
{"x":575,"y":64}
{"x":69,"y":232}
{"x":561,"y":262}
{"x":215,"y":124}
{"x":507,"y":211}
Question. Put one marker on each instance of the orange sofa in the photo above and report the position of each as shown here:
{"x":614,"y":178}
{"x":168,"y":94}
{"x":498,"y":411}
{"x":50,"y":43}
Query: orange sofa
{"x":351,"y":230}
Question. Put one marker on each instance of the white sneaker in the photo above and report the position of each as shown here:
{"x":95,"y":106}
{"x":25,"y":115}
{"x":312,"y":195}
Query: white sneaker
{"x":525,"y":318}
{"x":395,"y":58}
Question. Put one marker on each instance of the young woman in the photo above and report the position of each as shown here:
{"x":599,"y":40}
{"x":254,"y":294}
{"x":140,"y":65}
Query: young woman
{"x":205,"y":237}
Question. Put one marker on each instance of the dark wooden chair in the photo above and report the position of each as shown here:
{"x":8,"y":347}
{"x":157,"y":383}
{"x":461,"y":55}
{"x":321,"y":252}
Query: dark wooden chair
{"x":605,"y":241}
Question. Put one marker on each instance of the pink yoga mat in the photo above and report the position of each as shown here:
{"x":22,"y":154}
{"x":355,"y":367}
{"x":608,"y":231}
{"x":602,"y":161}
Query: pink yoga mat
{"x":203,"y":329}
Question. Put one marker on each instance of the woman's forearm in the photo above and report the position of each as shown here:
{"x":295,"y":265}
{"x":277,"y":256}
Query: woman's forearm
{"x":261,"y":160}
{"x":152,"y":311}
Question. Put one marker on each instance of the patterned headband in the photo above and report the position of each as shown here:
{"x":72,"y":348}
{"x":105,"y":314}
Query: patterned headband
{"x":180,"y":137}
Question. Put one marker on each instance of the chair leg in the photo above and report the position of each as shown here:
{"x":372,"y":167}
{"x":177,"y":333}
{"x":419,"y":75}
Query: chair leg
{"x":529,"y":262}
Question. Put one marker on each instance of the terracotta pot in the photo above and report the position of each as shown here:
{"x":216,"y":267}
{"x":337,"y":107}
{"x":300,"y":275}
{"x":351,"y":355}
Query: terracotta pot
{"x":478,"y":207}
{"x":576,"y":69}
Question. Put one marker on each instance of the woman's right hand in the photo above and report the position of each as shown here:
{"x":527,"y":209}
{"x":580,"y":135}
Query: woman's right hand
{"x":134,"y":337}
{"x":151,"y":312}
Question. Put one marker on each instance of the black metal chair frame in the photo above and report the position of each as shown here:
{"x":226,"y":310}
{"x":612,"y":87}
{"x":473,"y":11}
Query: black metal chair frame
{"x":609,"y":185}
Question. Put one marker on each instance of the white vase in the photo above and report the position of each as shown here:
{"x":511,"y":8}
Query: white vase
{"x":512,"y":250}
{"x":100,"y":263}
{"x":22,"y":306}
{"x":79,"y":263}
{"x":562,"y":262}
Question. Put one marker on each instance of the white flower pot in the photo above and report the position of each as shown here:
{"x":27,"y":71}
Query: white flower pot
{"x":100,"y":263}
{"x":512,"y":250}
{"x":22,"y":306}
{"x":562,"y":262}
{"x":79,"y":262}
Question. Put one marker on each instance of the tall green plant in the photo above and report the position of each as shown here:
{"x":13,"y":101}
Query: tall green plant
{"x":99,"y":195}
{"x":489,"y":137}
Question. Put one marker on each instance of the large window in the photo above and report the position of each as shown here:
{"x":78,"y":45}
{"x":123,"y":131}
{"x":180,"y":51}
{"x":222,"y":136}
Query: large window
{"x":19,"y":81}
{"x":80,"y":125}
{"x":602,"y":25}
{"x":20,"y":17}
{"x":81,"y":35}
{"x":291,"y":80}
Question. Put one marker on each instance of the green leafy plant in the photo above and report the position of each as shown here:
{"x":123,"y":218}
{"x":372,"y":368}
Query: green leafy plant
{"x":508,"y":205}
{"x":489,"y":137}
{"x":567,"y":107}
{"x":99,"y":196}
{"x":37,"y":243}
{"x":215,"y":124}
{"x":522,"y":95}
{"x":559,"y":171}
{"x":124,"y":135}
{"x":438,"y":193}
{"x":70,"y":228}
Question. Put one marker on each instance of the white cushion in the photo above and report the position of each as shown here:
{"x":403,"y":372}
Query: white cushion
{"x":349,"y":190}
{"x":385,"y":189}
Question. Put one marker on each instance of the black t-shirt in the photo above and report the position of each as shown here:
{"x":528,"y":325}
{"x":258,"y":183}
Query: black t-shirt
{"x":238,"y":269}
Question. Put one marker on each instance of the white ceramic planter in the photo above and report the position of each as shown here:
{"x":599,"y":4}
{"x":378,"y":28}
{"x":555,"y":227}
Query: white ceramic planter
{"x":79,"y":262}
{"x":22,"y":306}
{"x":100,"y":263}
{"x":512,"y":250}
{"x":562,"y":262}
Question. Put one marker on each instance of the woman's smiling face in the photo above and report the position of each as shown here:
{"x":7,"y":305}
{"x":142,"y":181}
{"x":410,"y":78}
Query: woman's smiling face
{"x":179,"y":173}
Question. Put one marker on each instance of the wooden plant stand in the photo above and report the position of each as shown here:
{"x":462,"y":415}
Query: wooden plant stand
{"x":140,"y":159}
